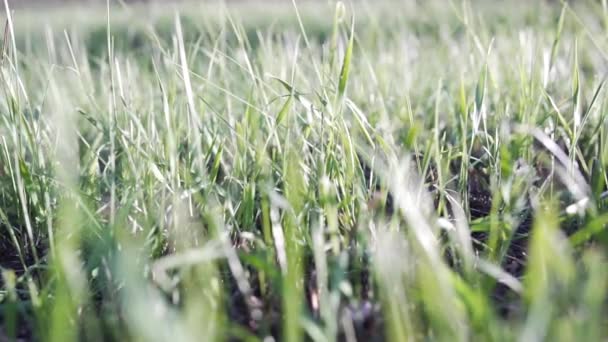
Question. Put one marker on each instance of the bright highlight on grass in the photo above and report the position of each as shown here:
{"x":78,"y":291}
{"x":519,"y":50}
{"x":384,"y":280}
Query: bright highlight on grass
{"x":305,"y":171}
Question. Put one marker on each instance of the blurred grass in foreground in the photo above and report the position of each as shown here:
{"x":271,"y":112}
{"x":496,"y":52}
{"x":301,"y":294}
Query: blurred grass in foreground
{"x":401,"y":171}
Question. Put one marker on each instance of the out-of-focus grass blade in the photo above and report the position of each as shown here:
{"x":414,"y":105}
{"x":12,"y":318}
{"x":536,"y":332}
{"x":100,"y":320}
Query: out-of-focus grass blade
{"x":595,"y":227}
{"x":338,"y":17}
{"x":576,"y":91}
{"x":9,"y":313}
{"x":549,"y":270}
{"x":344,"y":72}
{"x":284,"y":111}
{"x":295,"y":190}
{"x":598,"y":178}
{"x":558,"y":34}
{"x":480,"y":89}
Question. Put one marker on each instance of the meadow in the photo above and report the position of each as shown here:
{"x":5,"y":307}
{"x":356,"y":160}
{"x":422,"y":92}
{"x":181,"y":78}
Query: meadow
{"x":304,"y":171}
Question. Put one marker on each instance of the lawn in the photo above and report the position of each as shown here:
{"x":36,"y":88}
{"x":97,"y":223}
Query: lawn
{"x":305,"y":171}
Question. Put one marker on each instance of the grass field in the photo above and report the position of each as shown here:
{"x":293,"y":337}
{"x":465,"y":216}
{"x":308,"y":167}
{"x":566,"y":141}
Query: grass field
{"x":321,"y":171}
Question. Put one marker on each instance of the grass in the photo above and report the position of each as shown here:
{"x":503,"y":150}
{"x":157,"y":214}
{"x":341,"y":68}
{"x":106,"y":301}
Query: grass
{"x":391,"y":171}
